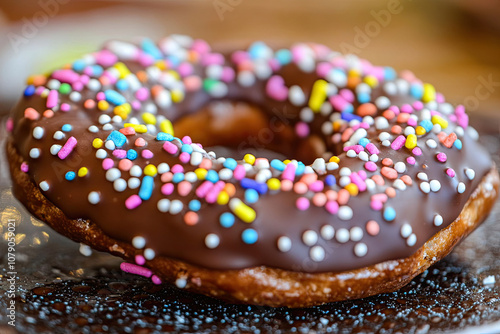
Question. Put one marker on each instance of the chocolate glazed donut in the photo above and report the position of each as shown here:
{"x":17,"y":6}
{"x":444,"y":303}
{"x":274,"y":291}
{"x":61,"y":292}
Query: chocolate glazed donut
{"x":381,"y":176}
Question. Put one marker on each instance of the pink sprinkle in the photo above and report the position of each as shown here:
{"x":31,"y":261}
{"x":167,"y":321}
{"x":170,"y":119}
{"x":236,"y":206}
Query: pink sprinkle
{"x":136,"y":105}
{"x":338,"y":102}
{"x":67,"y":148}
{"x":187,"y":140}
{"x":441,"y":157}
{"x":379,"y":197}
{"x":140,"y":142}
{"x":128,"y":131}
{"x":100,"y":96}
{"x":376,"y":205}
{"x":463,"y":120}
{"x":460,"y":110}
{"x":212,"y":59}
{"x":440,"y":98}
{"x":302,"y":129}
{"x":411,"y":160}
{"x":319,"y":199}
{"x":412,"y":122}
{"x":371,"y":166}
{"x":398,"y":142}
{"x":185,"y":69}
{"x":135,"y":269}
{"x":65,"y":107}
{"x":450,"y":172}
{"x":170,"y":148}
{"x":227,"y":74}
{"x":140,"y":260}
{"x":67,"y":76}
{"x":362,"y":174}
{"x":317,"y":186}
{"x":78,"y":86}
{"x":107,"y":163}
{"x":184,"y":157}
{"x":289,"y":172}
{"x":9,"y":125}
{"x":203,"y":189}
{"x":302,"y":203}
{"x":356,"y":179}
{"x":52,"y":99}
{"x":142,"y":94}
{"x":167,"y":177}
{"x":418,"y":105}
{"x":239,"y":56}
{"x":147,"y":154}
{"x":276,"y":88}
{"x":395,"y":110}
{"x":389,"y":173}
{"x":417,"y":151}
{"x":106,"y":58}
{"x":156,"y":280}
{"x":372,"y":148}
{"x":167,"y":189}
{"x":332,"y":207}
{"x":24,"y":167}
{"x":347,"y":94}
{"x":323,"y":68}
{"x":239,"y":172}
{"x":406,"y":108}
{"x":184,"y":187}
{"x":177,"y":169}
{"x":120,"y":154}
{"x":212,"y":194}
{"x":84,"y":79}
{"x":133,"y":202}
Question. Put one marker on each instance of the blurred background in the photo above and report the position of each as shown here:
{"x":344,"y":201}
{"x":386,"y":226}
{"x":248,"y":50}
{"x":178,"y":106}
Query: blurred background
{"x":453,"y":44}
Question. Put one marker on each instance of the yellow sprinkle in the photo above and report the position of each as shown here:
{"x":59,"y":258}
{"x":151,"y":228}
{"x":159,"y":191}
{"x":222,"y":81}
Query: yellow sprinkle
{"x":45,"y":93}
{"x":149,"y":118}
{"x":439,"y":120}
{"x":174,"y":74}
{"x":371,"y":80}
{"x":150,"y":170}
{"x":334,"y":159}
{"x":242,"y":211}
{"x":318,"y":95}
{"x":140,"y":128}
{"x":353,"y":73}
{"x":122,"y":69}
{"x":336,"y":126}
{"x":249,"y":158}
{"x":102,"y":105}
{"x":287,"y":161}
{"x":97,"y":143}
{"x":83,"y":171}
{"x":411,"y":141}
{"x":161,"y":65}
{"x":200,"y":173}
{"x":167,"y":127}
{"x":177,"y":95}
{"x":429,"y":93}
{"x":274,"y":184}
{"x":223,"y":198}
{"x":352,"y":189}
{"x":123,"y":110}
{"x":420,"y":130}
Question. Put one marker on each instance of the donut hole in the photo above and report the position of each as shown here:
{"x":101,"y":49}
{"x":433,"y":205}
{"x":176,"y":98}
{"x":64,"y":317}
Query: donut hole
{"x":233,"y":129}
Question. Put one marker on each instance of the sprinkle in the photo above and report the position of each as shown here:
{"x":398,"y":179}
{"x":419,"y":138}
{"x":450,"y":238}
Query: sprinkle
{"x":435,"y":185}
{"x":276,"y":89}
{"x":317,"y":253}
{"x":372,"y":228}
{"x":246,"y":183}
{"x":284,"y":244}
{"x":412,"y":240}
{"x":461,"y":188}
{"x":440,"y":121}
{"x":345,"y":213}
{"x":67,"y":148}
{"x":398,"y":142}
{"x":146,"y":189}
{"x":425,"y":187}
{"x":441,"y":157}
{"x":94,"y":197}
{"x":302,"y":203}
{"x":24,"y":167}
{"x":44,"y":185}
{"x":249,"y":236}
{"x":163,"y":205}
{"x":212,"y":240}
{"x":133,"y":202}
{"x":138,"y":242}
{"x":342,"y":235}
{"x":360,"y":249}
{"x":242,"y":211}
{"x":470,"y":173}
{"x":170,"y":148}
{"x":52,"y":99}
{"x":35,"y":153}
{"x":191,"y":218}
{"x":135,"y":269}
{"x":438,"y":220}
{"x":389,"y":214}
{"x":450,"y":172}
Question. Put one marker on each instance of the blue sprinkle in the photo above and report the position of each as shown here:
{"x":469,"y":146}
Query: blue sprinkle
{"x":257,"y":50}
{"x":283,"y":56}
{"x":278,"y":165}
{"x":226,"y":219}
{"x":251,"y":196}
{"x":70,"y":176}
{"x":330,"y":180}
{"x":67,"y":127}
{"x":97,"y":70}
{"x":230,"y":163}
{"x":246,"y":183}
{"x":364,"y":98}
{"x":346,"y":116}
{"x":249,"y":236}
{"x":427,"y":125}
{"x":174,"y":60}
{"x":364,"y":141}
{"x":194,"y":205}
{"x":29,"y":91}
{"x":164,"y":136}
{"x":118,"y":138}
{"x":389,"y":214}
{"x":150,"y":48}
{"x":79,"y":65}
{"x":187,"y":148}
{"x":147,"y":186}
{"x":122,"y":85}
{"x":300,"y":168}
{"x":349,"y":108}
{"x":458,"y":144}
{"x":131,"y":154}
{"x":212,"y":176}
{"x":114,"y":97}
{"x":416,"y":90}
{"x":177,"y":177}
{"x":389,"y":73}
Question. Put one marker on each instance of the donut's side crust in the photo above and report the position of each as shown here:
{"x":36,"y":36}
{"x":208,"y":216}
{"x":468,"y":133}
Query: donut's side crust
{"x":264,"y":285}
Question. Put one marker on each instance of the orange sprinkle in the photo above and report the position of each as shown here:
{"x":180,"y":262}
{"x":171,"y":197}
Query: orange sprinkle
{"x":191,"y":218}
{"x":309,"y":178}
{"x":206,"y":164}
{"x":396,"y":129}
{"x":31,"y":114}
{"x":125,"y":165}
{"x":128,"y":131}
{"x":104,"y":80}
{"x":387,"y":162}
{"x":407,"y":180}
{"x":347,"y":134}
{"x":331,"y":195}
{"x":450,"y":139}
{"x":372,"y":227}
{"x":378,"y":179}
{"x":230,"y":189}
{"x":352,"y":82}
{"x":403,"y":118}
{"x":343,"y":196}
{"x":389,"y":114}
{"x":367,"y":109}
{"x":389,"y":173}
{"x":89,"y":104}
{"x":166,"y":177}
{"x":142,"y":76}
{"x":300,"y":187}
{"x":391,"y":192}
{"x":286,"y":185}
{"x":48,"y":113}
{"x":156,"y":89}
{"x":140,"y":142}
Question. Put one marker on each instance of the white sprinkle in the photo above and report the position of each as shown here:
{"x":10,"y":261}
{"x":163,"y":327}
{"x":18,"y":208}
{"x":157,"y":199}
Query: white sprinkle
{"x":363,"y":88}
{"x":422,"y":176}
{"x":181,"y":282}
{"x":191,"y":177}
{"x":38,"y":132}
{"x":246,"y":78}
{"x":317,"y":253}
{"x":54,"y":149}
{"x":327,"y":232}
{"x":403,"y":86}
{"x":75,"y":96}
{"x":101,"y":154}
{"x":431,"y":143}
{"x":399,"y":184}
{"x":489,"y":280}
{"x":149,"y":254}
{"x":386,"y":143}
{"x":412,"y":240}
{"x":307,"y":170}
{"x":356,"y":233}
{"x":374,"y":157}
{"x":176,"y":206}
{"x":44,"y":185}
{"x":332,"y":166}
{"x":310,"y":237}
{"x":306,"y":115}
{"x":135,"y":171}
{"x":226,"y":174}
{"x":94,"y":85}
{"x":425,"y":187}
{"x":363,"y":156}
{"x":326,"y":108}
{"x":34,"y":153}
{"x":342,"y":235}
{"x":344,"y":181}
{"x":110,"y":145}
{"x":196,"y":158}
{"x":103,"y":119}
{"x":163,"y":168}
{"x":284,"y":244}
{"x":436,"y":128}
{"x":461,"y":188}
{"x":390,"y":88}
{"x":435,"y":185}
{"x":470,"y":173}
{"x":382,"y":102}
{"x":409,"y":130}
{"x":370,"y":184}
{"x":54,"y":84}
{"x":296,"y":96}
{"x":406,"y":230}
{"x":438,"y":220}
{"x":327,"y":128}
{"x":107,"y":127}
{"x":400,"y":167}
{"x":134,"y":183}
{"x":212,"y":240}
{"x":368,"y":120}
{"x":345,"y":171}
{"x":92,"y":128}
{"x":360,"y":249}
{"x":138,"y":242}
{"x":94,"y":197}
{"x":113,"y":174}
{"x":58,"y":135}
{"x":163,"y":205}
{"x":85,"y":250}
{"x":459,"y":131}
{"x":472,"y":133}
{"x":381,"y":123}
{"x":319,"y":165}
{"x":120,"y":185}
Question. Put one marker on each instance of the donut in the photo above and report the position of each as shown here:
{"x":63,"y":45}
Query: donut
{"x":341,"y":179}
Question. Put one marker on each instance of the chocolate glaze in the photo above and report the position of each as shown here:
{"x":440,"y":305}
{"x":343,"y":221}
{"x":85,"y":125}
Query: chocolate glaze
{"x":277,"y":215}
